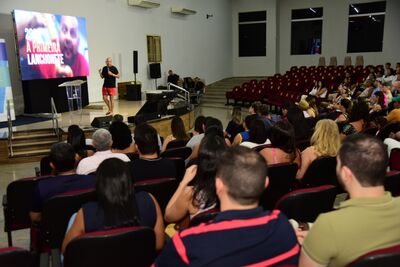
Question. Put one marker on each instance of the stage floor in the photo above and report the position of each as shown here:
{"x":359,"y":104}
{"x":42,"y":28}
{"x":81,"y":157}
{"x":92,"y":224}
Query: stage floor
{"x":85,"y":117}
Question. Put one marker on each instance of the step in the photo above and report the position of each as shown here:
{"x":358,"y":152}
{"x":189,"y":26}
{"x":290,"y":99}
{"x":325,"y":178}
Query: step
{"x":206,"y":97}
{"x":33,"y":132}
{"x":34,"y":136}
{"x":38,"y":152}
{"x":37,"y":143}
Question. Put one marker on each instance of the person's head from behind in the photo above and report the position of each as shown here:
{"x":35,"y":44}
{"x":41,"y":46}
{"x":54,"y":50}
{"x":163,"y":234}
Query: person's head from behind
{"x":359,"y":111}
{"x":146,"y":139}
{"x":237,"y":115}
{"x":241,"y":177}
{"x":178,"y":129}
{"x":69,"y":38}
{"x":326,"y":138}
{"x":362,"y":161}
{"x":170,"y":72}
{"x":345,"y":105}
{"x":255,"y":108}
{"x":62,"y":157}
{"x":258,"y":132}
{"x":102,"y":140}
{"x":248,"y":121}
{"x":264,"y":110}
{"x":210,"y":150}
{"x":296,"y":117}
{"x":213,"y":122}
{"x":76,"y":138}
{"x":115,"y":193}
{"x":379,"y":98}
{"x":282,"y":136}
{"x":198,"y":124}
{"x":121,"y":135}
{"x":117,"y":117}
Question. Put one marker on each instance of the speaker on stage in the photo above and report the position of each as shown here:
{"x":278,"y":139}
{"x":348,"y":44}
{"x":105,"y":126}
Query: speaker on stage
{"x":101,"y":122}
{"x":155,"y":70}
{"x":135,"y":61}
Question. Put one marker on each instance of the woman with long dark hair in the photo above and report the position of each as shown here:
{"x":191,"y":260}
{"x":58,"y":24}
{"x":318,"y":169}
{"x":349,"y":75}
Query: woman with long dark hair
{"x":77,"y":139}
{"x":118,"y":205}
{"x":178,"y":133}
{"x":196,"y":193}
{"x":283,"y":145}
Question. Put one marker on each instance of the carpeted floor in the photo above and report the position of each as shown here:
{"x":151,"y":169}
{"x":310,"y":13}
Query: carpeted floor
{"x":22,"y":120}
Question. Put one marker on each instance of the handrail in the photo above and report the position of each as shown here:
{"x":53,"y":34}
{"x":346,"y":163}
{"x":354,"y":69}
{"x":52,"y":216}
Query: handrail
{"x":10,"y":132}
{"x":186,"y":92}
{"x":54,"y":117}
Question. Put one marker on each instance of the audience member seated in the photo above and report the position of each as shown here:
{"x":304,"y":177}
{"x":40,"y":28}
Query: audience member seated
{"x":283,"y":148}
{"x":266,"y":117}
{"x":149,"y":165}
{"x":258,"y":135}
{"x":77,"y":139}
{"x":118,"y":205}
{"x":121,"y":138}
{"x":366,"y":93}
{"x":242,"y":234}
{"x":306,"y":109}
{"x":196,"y":192}
{"x":325,"y":142}
{"x":358,"y":119}
{"x":342,"y":110}
{"x":198,"y":133}
{"x":255,"y":108}
{"x":369,"y":220}
{"x":102,"y":141}
{"x":392,"y":142}
{"x":245,"y":135}
{"x":62,"y":161}
{"x":235,"y":125}
{"x":302,"y":128}
{"x":319,"y":90}
{"x":377,"y":102}
{"x":394,"y":114}
{"x":178,"y":133}
{"x":210,"y":123}
{"x":198,"y":126}
{"x":173,"y":78}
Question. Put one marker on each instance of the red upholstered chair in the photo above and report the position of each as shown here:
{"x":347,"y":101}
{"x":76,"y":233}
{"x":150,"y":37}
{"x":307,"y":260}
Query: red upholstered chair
{"x":55,"y":217}
{"x":180,"y":168}
{"x":385,"y":257}
{"x":162,"y":189}
{"x":123,"y":247}
{"x":17,"y":204}
{"x":392,"y":182}
{"x":176,"y":144}
{"x":15,"y":257}
{"x":304,"y":205}
{"x":281,"y":180}
{"x":179,"y":152}
{"x":394,"y":160}
{"x":321,"y":171}
{"x":232,"y":94}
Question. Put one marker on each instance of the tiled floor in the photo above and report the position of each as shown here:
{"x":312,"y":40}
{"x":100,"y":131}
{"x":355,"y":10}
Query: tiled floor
{"x":11,"y":172}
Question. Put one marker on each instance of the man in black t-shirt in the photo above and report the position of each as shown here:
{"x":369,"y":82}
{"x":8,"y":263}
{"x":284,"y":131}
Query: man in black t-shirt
{"x":172,"y":77}
{"x":109,"y":73}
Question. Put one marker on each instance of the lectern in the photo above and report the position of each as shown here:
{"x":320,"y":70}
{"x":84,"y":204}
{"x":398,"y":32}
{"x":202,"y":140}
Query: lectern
{"x":73,"y":89}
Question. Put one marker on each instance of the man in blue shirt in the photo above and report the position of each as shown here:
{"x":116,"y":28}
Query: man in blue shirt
{"x":242,"y":234}
{"x":62,"y":160}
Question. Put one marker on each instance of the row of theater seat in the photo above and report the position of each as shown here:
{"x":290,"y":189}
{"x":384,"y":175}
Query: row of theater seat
{"x":289,"y":87}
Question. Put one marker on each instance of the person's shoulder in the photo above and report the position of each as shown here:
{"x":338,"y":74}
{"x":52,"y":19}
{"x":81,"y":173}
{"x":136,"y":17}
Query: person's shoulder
{"x":122,"y":156}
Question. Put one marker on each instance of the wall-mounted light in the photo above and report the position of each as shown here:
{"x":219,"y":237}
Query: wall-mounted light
{"x":209,"y":16}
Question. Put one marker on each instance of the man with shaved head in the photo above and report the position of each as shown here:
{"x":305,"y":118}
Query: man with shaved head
{"x":109,"y":73}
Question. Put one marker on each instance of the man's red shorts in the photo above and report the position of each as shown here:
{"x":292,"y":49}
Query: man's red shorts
{"x":109,"y":91}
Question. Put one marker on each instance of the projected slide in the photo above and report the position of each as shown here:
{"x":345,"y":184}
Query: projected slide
{"x":51,"y":46}
{"x":5,"y":84}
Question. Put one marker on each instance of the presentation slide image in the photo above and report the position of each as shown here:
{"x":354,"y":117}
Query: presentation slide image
{"x":51,"y":45}
{"x":5,"y":84}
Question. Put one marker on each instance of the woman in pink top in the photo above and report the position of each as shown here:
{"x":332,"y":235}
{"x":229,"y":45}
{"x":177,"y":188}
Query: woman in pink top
{"x":283,"y":148}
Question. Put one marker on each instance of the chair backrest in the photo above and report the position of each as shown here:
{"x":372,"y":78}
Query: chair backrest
{"x":321,"y":171}
{"x":347,"y":61}
{"x":392,"y":183}
{"x":385,"y":257}
{"x":321,"y":61}
{"x":123,"y":247}
{"x":56,"y":214}
{"x":180,"y":168}
{"x":180,"y":152}
{"x":176,"y":144}
{"x":281,"y":180}
{"x":359,"y":60}
{"x":162,"y":189}
{"x":132,"y":156}
{"x":15,"y":257}
{"x":304,"y":205}
{"x":333,"y":61}
{"x":394,"y":159}
{"x":17,"y":203}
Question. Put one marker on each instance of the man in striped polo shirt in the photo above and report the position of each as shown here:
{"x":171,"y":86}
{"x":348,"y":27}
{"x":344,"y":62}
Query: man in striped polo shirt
{"x":242,"y":234}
